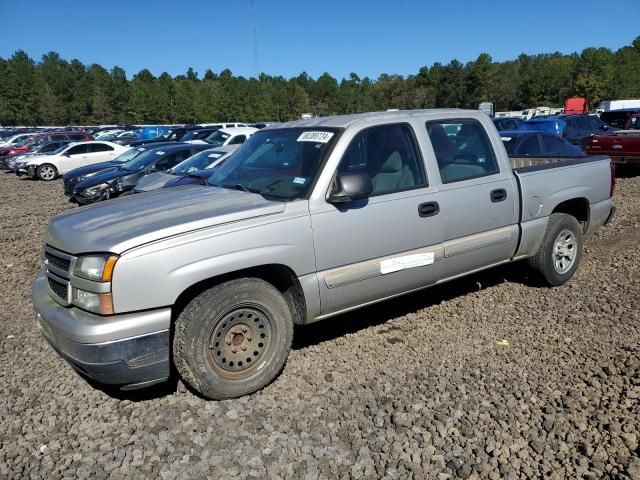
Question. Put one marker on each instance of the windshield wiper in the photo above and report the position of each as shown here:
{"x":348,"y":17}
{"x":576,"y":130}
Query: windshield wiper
{"x":238,"y":186}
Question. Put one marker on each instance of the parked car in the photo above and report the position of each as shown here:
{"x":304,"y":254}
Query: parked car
{"x":198,"y":134}
{"x":303,"y":222}
{"x":73,"y":155}
{"x":114,"y":182}
{"x":507,"y":123}
{"x":623,"y":147}
{"x":194,"y":170}
{"x":538,"y":144}
{"x":227,"y":136}
{"x":13,"y":162}
{"x":12,"y":140}
{"x":618,"y":118}
{"x":29,"y":143}
{"x":574,"y":128}
{"x":70,"y":179}
{"x":609,"y":105}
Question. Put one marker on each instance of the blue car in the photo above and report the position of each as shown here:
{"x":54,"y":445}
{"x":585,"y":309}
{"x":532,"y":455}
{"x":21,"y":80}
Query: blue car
{"x":574,"y":128}
{"x":538,"y":144}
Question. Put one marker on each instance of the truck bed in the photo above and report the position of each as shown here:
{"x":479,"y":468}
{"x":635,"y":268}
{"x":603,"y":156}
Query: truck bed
{"x":530,"y":164}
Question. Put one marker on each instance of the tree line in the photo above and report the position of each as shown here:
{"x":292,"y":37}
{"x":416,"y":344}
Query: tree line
{"x":55,"y":91}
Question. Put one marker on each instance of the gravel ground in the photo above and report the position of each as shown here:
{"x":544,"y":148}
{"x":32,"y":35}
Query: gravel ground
{"x":490,"y":376}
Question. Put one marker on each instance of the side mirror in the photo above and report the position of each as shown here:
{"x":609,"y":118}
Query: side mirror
{"x":350,"y":186}
{"x":66,"y":154}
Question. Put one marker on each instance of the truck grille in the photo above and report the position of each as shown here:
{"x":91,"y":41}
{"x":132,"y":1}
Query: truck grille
{"x":58,"y":288}
{"x":59,"y":265}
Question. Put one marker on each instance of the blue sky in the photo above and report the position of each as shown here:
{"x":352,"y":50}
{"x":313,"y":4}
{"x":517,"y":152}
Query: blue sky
{"x":368,"y":37}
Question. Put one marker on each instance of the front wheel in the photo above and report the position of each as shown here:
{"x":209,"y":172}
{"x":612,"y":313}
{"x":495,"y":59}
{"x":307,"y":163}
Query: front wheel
{"x":561,"y":250}
{"x":47,"y":172}
{"x":233,"y":339}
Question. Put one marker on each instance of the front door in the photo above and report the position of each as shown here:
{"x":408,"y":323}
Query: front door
{"x":389,"y":243}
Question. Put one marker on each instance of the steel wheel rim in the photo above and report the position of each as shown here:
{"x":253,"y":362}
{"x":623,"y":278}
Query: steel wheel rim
{"x":240,"y":342}
{"x":565,"y":251}
{"x":47,"y":173}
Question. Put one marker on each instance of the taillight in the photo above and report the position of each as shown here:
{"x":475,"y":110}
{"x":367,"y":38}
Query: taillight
{"x":613,"y":178}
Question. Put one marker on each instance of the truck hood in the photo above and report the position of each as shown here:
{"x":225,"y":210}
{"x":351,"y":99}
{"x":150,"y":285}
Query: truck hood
{"x":123,"y":223}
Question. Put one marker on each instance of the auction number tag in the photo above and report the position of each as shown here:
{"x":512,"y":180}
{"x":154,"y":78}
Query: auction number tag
{"x":315,"y":137}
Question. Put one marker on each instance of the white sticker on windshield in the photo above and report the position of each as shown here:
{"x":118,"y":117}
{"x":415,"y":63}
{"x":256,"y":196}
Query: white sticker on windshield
{"x":214,"y":155}
{"x":299,"y":180}
{"x":159,"y":153}
{"x":141,"y":149}
{"x":316,"y":137}
{"x":408,"y":261}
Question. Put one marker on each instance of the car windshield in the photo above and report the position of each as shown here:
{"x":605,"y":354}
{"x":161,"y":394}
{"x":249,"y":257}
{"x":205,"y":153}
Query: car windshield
{"x":128,"y":155}
{"x":143,"y":160}
{"x":509,"y":143}
{"x":279,"y":164}
{"x":199,"y":161}
{"x":217,"y":138}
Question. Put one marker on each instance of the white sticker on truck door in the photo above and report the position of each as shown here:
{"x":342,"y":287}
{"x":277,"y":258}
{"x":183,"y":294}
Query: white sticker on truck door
{"x":408,"y":261}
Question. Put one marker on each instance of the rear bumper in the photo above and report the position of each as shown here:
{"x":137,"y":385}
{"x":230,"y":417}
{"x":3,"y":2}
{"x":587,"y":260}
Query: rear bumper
{"x":130,"y":350}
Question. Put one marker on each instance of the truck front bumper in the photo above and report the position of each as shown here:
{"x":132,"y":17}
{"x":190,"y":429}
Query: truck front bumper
{"x":129,"y":350}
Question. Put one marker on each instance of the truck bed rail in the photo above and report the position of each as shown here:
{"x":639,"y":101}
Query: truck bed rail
{"x":528,"y":164}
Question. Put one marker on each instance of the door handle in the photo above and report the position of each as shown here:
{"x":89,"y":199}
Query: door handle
{"x":498,"y":195}
{"x":428,"y":209}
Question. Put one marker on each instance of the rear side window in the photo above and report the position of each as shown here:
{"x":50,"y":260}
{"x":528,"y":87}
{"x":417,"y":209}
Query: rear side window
{"x":390,"y":155}
{"x":552,"y":144}
{"x":77,"y":137}
{"x":99,"y":147}
{"x":238,"y":139}
{"x":462,"y":149}
{"x":58,"y":137}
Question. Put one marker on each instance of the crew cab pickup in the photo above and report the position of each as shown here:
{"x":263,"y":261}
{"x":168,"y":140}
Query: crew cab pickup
{"x":623,"y":146}
{"x":305,"y":221}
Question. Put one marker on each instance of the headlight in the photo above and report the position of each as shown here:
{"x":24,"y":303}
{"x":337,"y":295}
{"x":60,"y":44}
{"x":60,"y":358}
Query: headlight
{"x":95,"y":267}
{"x":101,"y":303}
{"x":93,"y":191}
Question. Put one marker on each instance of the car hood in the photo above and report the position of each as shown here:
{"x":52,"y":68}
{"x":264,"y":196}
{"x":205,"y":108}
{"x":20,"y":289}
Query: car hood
{"x":153,"y":181}
{"x":123,"y":223}
{"x":95,"y":167}
{"x":103,"y":176}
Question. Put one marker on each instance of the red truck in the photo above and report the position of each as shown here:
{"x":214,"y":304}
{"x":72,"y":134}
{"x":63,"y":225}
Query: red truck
{"x":622,"y":146}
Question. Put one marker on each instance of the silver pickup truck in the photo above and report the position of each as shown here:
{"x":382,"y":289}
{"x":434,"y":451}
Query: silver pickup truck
{"x":306,"y":221}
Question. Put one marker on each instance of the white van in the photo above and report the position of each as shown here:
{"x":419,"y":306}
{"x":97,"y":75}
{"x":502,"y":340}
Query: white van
{"x":609,"y":105}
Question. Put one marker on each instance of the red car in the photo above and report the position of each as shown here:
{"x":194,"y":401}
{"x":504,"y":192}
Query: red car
{"x":38,"y":140}
{"x":622,"y":146}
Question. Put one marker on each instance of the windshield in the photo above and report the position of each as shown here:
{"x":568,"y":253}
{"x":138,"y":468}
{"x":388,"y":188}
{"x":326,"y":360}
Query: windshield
{"x":199,"y":161}
{"x":143,"y":160}
{"x":128,"y":155}
{"x":217,"y":138}
{"x":280,"y":164}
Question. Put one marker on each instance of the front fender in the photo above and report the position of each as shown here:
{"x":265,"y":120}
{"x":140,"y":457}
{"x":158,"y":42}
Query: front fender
{"x":154,"y":275}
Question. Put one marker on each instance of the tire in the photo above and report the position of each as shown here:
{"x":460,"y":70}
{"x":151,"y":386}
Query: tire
{"x":215,"y":327}
{"x":561,"y":250}
{"x":47,"y":172}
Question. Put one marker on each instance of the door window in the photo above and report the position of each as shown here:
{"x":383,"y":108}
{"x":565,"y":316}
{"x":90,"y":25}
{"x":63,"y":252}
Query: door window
{"x":551,"y":144}
{"x":77,"y":137}
{"x":530,"y":146}
{"x":171,"y":160}
{"x":390,"y":155}
{"x":78,"y":149}
{"x":237,"y":140}
{"x":462,"y":149}
{"x":582,"y":123}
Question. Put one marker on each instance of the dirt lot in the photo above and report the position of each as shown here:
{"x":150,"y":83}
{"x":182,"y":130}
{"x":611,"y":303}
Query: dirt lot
{"x":491,"y":376}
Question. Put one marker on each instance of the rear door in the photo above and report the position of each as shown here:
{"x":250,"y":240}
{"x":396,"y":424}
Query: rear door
{"x":100,"y":152}
{"x":388,"y":243}
{"x":478,"y":197}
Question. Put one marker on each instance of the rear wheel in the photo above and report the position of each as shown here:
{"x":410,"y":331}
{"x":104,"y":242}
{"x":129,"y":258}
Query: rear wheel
{"x":233,"y":339}
{"x":47,"y":172}
{"x":561,"y":250}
